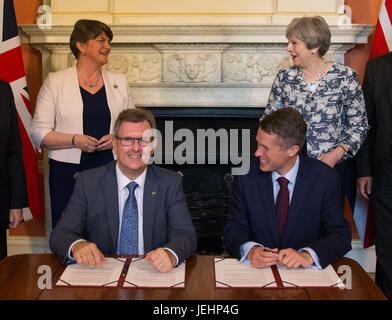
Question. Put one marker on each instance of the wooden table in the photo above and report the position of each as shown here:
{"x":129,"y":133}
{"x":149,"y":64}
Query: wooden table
{"x":19,"y":280}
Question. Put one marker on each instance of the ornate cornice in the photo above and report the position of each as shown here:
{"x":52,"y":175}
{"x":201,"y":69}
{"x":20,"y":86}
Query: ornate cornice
{"x":357,"y":33}
{"x":193,"y":65}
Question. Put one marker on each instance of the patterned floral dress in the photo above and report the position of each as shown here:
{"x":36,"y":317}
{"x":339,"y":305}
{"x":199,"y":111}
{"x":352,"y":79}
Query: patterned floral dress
{"x":334,"y":111}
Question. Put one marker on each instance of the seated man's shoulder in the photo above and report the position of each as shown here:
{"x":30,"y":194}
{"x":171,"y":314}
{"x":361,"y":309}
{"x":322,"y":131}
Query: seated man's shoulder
{"x":164,"y":173}
{"x":254,"y":170}
{"x":319,"y":168}
{"x":96,"y":172}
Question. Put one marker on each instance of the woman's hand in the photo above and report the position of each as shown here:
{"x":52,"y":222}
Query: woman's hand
{"x":332,"y":157}
{"x":105,"y":143}
{"x":85,"y":143}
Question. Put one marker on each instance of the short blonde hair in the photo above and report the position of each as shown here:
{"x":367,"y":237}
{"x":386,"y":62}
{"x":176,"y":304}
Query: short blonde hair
{"x":314,"y":31}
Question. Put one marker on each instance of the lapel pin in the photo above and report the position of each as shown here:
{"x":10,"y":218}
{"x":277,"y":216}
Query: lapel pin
{"x":154,"y":193}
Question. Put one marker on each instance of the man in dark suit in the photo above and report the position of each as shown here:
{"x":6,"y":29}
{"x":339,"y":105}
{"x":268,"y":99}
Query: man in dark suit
{"x":13,"y":195}
{"x":94,"y":221}
{"x":287,"y":209}
{"x":374,"y":162}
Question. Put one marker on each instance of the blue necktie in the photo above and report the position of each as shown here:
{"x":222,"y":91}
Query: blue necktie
{"x":129,"y":224}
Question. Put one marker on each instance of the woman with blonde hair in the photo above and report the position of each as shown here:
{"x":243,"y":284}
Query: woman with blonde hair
{"x":328,"y":95}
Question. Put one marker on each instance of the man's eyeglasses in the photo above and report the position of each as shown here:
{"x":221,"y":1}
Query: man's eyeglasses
{"x":129,"y":141}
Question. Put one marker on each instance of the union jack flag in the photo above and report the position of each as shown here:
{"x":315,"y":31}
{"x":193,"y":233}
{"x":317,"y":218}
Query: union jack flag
{"x":12,"y":71}
{"x":382,"y":41}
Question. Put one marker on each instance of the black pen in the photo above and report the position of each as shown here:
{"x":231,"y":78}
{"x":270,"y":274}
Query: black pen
{"x":124,"y":270}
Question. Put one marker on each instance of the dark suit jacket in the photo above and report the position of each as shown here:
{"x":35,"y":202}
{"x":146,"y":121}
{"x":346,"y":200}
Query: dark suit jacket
{"x":315,"y":217}
{"x":93,"y":214}
{"x":13,"y":192}
{"x":377,"y":91}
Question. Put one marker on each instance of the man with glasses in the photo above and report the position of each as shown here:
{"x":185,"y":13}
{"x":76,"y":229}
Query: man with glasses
{"x":127,"y":206}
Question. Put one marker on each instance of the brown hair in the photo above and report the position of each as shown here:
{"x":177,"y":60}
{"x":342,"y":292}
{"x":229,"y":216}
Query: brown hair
{"x":85,"y":30}
{"x":134,"y":115}
{"x":314,"y":31}
{"x":288,"y":124}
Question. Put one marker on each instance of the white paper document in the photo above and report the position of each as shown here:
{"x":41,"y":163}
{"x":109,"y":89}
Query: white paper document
{"x":142,"y":274}
{"x":310,"y":277}
{"x":230,"y":272}
{"x":107,"y":275}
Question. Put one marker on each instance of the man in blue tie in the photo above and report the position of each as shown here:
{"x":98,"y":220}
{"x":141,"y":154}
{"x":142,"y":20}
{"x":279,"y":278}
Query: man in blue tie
{"x":127,"y":206}
{"x":287,"y":209}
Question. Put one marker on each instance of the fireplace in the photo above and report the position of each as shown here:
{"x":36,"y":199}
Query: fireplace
{"x":194,"y":76}
{"x":207,"y":172}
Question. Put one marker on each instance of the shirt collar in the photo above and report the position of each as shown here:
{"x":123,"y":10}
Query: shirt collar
{"x":291,"y":175}
{"x":122,"y":179}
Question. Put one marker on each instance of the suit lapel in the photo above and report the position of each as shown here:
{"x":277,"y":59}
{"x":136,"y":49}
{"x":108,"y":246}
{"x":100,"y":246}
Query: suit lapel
{"x":267,"y":197}
{"x":150,"y":195}
{"x":300,"y":192}
{"x":110,"y":193}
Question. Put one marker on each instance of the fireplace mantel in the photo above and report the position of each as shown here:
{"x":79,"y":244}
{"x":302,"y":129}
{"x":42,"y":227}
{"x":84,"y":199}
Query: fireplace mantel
{"x":193,"y":65}
{"x":190,"y":66}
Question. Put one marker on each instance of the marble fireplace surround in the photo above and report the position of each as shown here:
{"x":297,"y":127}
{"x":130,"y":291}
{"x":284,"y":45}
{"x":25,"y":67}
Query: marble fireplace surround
{"x":228,"y":66}
{"x":219,"y":67}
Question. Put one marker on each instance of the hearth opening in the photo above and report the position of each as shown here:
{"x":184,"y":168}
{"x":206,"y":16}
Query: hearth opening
{"x":208,"y":147}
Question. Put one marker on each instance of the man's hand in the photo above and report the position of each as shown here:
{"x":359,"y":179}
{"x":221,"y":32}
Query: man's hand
{"x":364,"y":186}
{"x":293,"y":259}
{"x":16,"y":216}
{"x":87,"y":254}
{"x":263,"y":257}
{"x":161,"y":259}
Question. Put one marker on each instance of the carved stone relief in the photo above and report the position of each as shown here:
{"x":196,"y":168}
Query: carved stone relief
{"x":192,"y":67}
{"x":139,"y":68}
{"x":252,"y":68}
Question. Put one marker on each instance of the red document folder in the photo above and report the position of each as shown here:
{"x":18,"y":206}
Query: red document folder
{"x":122,"y":273}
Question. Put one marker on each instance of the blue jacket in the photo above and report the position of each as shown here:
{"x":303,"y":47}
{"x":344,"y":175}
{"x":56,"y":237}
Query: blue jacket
{"x":315,"y":218}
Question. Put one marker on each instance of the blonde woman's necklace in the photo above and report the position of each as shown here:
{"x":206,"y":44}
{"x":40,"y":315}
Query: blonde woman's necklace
{"x":319,"y":76}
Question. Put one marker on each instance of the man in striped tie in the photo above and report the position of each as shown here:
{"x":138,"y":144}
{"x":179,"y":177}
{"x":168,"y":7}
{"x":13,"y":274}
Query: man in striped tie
{"x":127,"y":206}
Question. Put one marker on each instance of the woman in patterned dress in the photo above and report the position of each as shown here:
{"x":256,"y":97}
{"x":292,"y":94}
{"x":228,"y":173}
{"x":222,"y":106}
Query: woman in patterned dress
{"x":328,"y":95}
